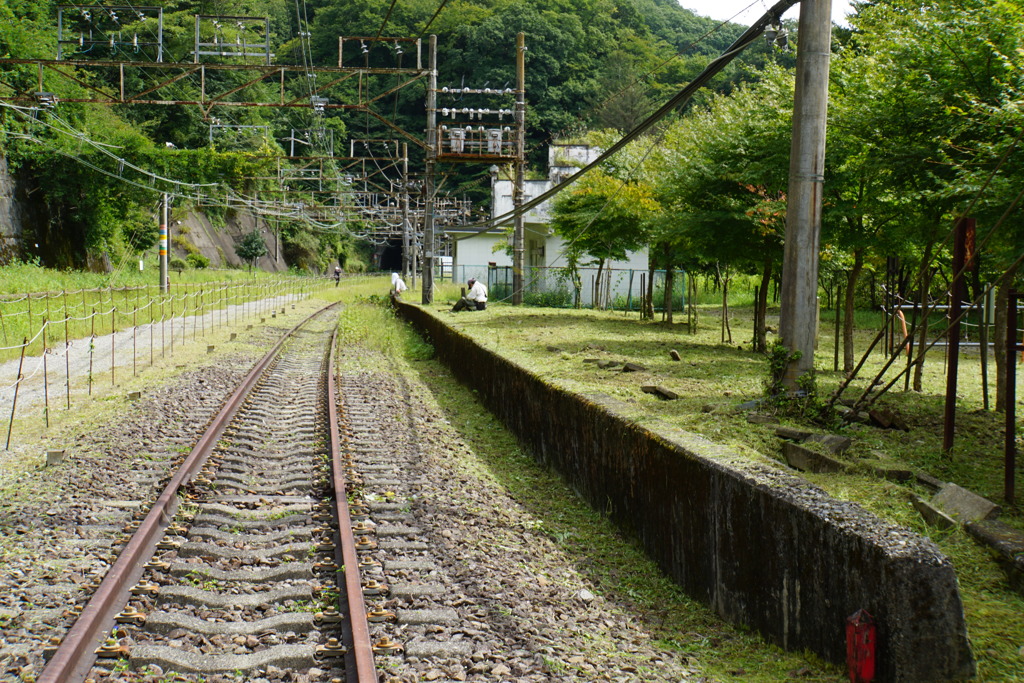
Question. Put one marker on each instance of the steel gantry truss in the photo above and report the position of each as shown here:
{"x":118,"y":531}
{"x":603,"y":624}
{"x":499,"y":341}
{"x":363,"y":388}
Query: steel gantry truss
{"x":221,"y":75}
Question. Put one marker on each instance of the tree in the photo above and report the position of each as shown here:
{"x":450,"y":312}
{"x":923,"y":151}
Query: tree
{"x":603,"y":217}
{"x":251,"y":248}
{"x":726,"y":178}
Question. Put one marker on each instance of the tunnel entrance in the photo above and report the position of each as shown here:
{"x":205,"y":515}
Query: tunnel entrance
{"x":391,"y":256}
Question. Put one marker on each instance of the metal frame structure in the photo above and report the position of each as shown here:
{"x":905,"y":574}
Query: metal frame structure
{"x":85,"y":13}
{"x":238,"y":48}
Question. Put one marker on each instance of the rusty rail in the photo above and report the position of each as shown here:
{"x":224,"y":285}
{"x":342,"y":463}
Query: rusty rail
{"x":359,"y":661}
{"x":76,"y":654}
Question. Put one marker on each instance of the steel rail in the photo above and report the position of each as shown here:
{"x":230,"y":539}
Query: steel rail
{"x":360,"y":664}
{"x":76,"y":654}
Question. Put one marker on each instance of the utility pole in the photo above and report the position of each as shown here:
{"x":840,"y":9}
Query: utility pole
{"x":428,"y":180}
{"x":518,"y":236}
{"x":163,"y":244}
{"x":798,"y":318}
{"x":406,"y":237}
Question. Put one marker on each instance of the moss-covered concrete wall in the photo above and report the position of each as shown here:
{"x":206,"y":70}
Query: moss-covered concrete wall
{"x":763,"y":547}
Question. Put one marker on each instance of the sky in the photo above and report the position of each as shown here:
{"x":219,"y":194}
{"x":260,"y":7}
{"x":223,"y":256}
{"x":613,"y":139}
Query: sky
{"x":747,"y":12}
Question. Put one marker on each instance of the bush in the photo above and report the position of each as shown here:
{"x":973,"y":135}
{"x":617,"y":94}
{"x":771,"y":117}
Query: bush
{"x":197,"y":261}
{"x":177,"y":263}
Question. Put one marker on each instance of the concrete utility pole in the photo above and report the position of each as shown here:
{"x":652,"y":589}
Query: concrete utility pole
{"x":518,"y":231}
{"x":406,"y":232}
{"x":163,"y":244}
{"x":798,"y":314}
{"x":428,"y":180}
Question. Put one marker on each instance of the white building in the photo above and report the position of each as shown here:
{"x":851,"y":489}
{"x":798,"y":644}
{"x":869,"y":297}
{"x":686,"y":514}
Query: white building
{"x":477,"y":253}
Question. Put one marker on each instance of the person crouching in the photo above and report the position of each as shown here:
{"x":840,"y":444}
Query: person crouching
{"x":475,"y":299}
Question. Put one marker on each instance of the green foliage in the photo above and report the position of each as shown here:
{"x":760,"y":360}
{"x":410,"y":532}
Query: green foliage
{"x":251,"y":248}
{"x":197,"y":260}
{"x":177,"y":263}
{"x":806,"y":402}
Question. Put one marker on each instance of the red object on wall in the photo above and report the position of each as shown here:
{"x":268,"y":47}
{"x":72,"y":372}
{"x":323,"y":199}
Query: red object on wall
{"x":860,"y":647}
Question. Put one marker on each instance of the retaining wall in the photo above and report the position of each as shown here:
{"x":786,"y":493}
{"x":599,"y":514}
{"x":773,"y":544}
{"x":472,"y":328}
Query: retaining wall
{"x":763,"y":547}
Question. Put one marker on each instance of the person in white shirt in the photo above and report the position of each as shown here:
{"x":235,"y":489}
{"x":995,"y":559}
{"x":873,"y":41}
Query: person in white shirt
{"x":397,"y":285}
{"x":475,"y":299}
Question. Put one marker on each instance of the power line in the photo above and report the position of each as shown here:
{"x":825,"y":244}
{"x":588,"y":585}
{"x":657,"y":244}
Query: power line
{"x":386,"y":17}
{"x":709,"y":72}
{"x":429,"y":23}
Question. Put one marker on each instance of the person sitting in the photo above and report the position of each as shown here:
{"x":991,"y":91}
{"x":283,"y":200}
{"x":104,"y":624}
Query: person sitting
{"x":474,"y":300}
{"x":397,"y":285}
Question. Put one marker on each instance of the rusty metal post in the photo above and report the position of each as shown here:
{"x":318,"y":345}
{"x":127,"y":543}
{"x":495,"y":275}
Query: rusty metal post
{"x":67,"y":351}
{"x":135,"y":342}
{"x":1010,"y":408}
{"x":953,"y":336}
{"x":113,"y":341}
{"x":17,"y":385}
{"x":46,"y":383}
{"x":92,"y":347}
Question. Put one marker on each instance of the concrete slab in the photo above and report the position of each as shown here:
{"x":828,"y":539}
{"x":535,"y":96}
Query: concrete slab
{"x":165,"y":622}
{"x":188,"y":595}
{"x":810,"y":461}
{"x":964,"y":505}
{"x":933,"y":516}
{"x":793,"y":433}
{"x":1007,"y":544}
{"x":415,"y":590}
{"x":186,"y":662}
{"x":432,"y":648}
{"x":833,"y":443}
{"x":427,"y":616}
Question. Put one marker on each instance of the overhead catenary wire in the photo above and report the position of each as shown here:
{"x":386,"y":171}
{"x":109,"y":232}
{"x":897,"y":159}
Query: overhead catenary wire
{"x":387,"y":17}
{"x":427,"y":26}
{"x":711,"y":70}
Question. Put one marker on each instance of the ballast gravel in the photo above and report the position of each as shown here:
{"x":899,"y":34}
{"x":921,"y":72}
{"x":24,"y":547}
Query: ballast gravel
{"x":531,"y":615}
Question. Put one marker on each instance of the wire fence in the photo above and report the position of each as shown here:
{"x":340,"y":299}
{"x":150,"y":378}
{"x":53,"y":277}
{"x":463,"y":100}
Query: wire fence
{"x":621,"y":289}
{"x":57,"y":346}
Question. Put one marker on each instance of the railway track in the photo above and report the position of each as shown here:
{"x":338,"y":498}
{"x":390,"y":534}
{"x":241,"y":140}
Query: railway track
{"x":236,"y":569}
{"x":248,"y":568}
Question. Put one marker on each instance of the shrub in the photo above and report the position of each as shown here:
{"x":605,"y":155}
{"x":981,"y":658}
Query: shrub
{"x":177,"y":263}
{"x":197,"y":261}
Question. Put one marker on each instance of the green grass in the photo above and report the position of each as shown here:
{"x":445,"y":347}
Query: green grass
{"x":714,"y":378}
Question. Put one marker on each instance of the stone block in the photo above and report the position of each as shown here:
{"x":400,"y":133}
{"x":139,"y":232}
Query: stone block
{"x":932,"y":515}
{"x":891,"y":473}
{"x":758,"y":419}
{"x":925,"y":479}
{"x":633,"y":367}
{"x":792,"y":433}
{"x":964,"y":505}
{"x":1007,"y":544}
{"x":832,"y":443}
{"x":659,"y":391}
{"x":674,"y":355}
{"x":810,"y":461}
